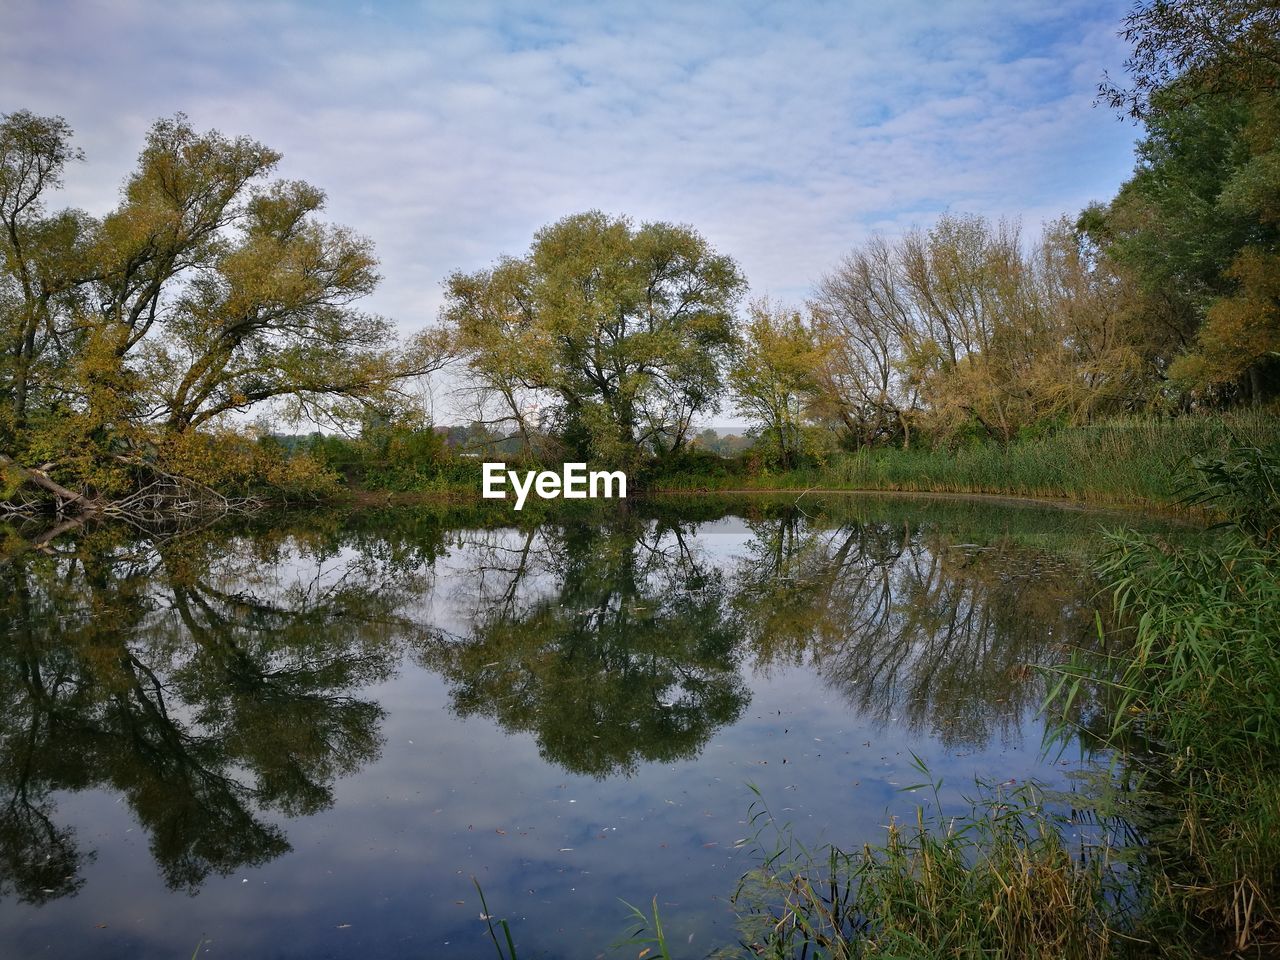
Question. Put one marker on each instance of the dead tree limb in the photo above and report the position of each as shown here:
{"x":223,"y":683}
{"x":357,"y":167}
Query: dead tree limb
{"x":65,"y":498}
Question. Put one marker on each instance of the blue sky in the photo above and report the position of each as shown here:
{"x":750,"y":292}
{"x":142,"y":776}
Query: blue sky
{"x":449,"y":132}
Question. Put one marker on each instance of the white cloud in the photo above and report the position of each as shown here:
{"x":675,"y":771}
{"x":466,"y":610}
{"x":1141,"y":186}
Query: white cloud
{"x":449,"y":133}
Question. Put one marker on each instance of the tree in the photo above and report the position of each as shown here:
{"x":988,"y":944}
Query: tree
{"x":863,"y":312}
{"x":624,"y":331}
{"x":254,"y":295}
{"x":209,"y":290}
{"x":1195,"y":48}
{"x":961,"y":328}
{"x":38,"y":259}
{"x":1198,"y":224}
{"x":1098,"y":360}
{"x":774,"y":377}
{"x":495,"y":331}
{"x":708,"y":439}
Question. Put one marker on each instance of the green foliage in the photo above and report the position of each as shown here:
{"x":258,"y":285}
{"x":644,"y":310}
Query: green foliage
{"x":39,"y":261}
{"x":509,"y":952}
{"x":1203,"y":674}
{"x":691,"y":469}
{"x":1197,"y":228}
{"x":1196,"y":47}
{"x":241,"y":465}
{"x":1244,"y":485}
{"x":404,"y":456}
{"x":641,"y":935}
{"x":617,"y":334}
{"x":775,"y":378}
{"x":1194,"y":706}
{"x":998,"y":881}
{"x":208,"y":290}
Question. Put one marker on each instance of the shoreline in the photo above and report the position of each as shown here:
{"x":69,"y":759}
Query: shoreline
{"x":374,"y":498}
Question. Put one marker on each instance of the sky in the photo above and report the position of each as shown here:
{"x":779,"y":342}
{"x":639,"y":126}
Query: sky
{"x":449,"y":132}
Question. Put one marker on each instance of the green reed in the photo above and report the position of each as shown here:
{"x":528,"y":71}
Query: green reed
{"x":998,"y":881}
{"x":1193,"y":700}
{"x":510,"y":952}
{"x":1139,"y":461}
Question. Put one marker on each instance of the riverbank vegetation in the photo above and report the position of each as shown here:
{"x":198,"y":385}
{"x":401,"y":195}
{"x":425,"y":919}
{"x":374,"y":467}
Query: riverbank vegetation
{"x":1121,"y":461}
{"x":134,"y":344}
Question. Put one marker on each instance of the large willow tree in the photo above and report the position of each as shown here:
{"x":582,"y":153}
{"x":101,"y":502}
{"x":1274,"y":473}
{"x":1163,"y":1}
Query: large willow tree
{"x":210,"y":289}
{"x":613,"y":336}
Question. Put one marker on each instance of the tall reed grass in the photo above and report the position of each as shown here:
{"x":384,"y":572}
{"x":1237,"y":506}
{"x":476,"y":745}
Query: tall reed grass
{"x":998,"y":882}
{"x":1136,"y":461}
{"x":1196,"y":683}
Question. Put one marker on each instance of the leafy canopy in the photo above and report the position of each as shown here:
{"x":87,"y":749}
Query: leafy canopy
{"x":616,"y":334}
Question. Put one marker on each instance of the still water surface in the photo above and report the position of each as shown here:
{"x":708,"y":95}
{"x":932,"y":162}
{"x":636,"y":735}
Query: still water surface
{"x":304,"y":736}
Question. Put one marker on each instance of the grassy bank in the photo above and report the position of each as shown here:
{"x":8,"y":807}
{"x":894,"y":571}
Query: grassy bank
{"x":1120,"y":462}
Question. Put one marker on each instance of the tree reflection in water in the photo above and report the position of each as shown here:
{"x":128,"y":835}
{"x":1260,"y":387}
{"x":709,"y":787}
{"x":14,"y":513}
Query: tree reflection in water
{"x":910,"y":626}
{"x":205,"y":679}
{"x":221,"y":681}
{"x":621,"y":642}
{"x":609,"y":642}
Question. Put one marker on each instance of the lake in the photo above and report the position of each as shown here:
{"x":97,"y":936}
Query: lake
{"x":305,"y":735}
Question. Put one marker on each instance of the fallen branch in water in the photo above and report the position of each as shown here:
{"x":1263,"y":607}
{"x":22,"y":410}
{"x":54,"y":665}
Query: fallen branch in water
{"x":170,"y":497}
{"x":64,"y":499}
{"x":159,"y":499}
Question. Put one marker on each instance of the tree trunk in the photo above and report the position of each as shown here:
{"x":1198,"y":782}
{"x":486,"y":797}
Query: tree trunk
{"x":64,"y":497}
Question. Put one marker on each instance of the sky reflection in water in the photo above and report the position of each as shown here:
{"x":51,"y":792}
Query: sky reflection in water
{"x":303,"y":739}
